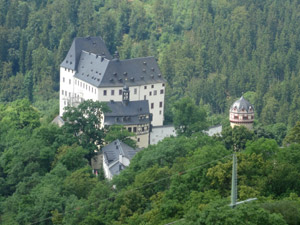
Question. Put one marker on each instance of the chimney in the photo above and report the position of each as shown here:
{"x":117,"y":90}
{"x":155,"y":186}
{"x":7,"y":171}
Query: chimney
{"x":116,"y":55}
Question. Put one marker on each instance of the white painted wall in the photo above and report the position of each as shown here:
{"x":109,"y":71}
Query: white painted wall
{"x":75,"y":90}
{"x":159,"y":133}
{"x":66,"y":88}
{"x":107,"y":173}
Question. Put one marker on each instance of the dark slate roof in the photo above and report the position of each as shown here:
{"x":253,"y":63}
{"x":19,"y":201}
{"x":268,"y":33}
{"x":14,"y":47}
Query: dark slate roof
{"x":101,"y":72}
{"x":91,"y":68}
{"x":89,"y":44}
{"x":127,"y":114}
{"x":116,"y":168}
{"x":136,"y":71}
{"x":112,"y":151}
{"x":241,"y":104}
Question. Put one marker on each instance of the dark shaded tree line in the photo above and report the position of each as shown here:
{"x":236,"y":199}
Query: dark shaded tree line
{"x":211,"y":51}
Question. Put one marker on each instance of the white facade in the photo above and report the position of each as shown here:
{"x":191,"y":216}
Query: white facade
{"x":161,"y":132}
{"x":73,"y":91}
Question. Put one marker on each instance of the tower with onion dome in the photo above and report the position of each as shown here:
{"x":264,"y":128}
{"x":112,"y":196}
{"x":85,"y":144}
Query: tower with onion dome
{"x":241,"y":113}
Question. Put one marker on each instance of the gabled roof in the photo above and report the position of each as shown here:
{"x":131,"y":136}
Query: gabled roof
{"x":101,"y":72}
{"x":112,"y":151}
{"x":136,"y":71}
{"x":89,"y":44}
{"x":91,"y":68}
{"x":132,"y":113}
{"x":93,"y":64}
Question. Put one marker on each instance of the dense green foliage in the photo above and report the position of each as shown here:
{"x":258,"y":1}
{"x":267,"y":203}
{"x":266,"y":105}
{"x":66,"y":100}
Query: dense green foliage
{"x":210,"y":50}
{"x":45,"y":179}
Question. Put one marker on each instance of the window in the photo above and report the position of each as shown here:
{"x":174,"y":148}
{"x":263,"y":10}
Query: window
{"x":159,"y":112}
{"x":89,"y":88}
{"x":134,"y":129}
{"x":152,"y":86}
{"x":104,"y":92}
{"x":129,"y":129}
{"x":138,"y":139}
{"x":62,"y":92}
{"x":155,"y":92}
{"x":86,"y":87}
{"x":69,"y":81}
{"x":83,"y":85}
{"x":162,"y":91}
{"x":65,"y":103}
{"x":163,"y":85}
{"x":92,"y":89}
{"x":160,"y":104}
{"x":112,"y":92}
{"x":80,"y":84}
{"x":150,"y":93}
{"x":152,"y":105}
{"x":143,"y":128}
{"x":75,"y":81}
{"x":135,"y":91}
{"x":145,"y":97}
{"x":120,"y":92}
{"x":145,"y":87}
{"x":63,"y":79}
{"x":66,"y":93}
{"x":95,"y":91}
{"x":70,"y":94}
{"x":236,"y":117}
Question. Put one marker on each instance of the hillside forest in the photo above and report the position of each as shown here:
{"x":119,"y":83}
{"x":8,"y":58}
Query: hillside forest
{"x":210,"y":52}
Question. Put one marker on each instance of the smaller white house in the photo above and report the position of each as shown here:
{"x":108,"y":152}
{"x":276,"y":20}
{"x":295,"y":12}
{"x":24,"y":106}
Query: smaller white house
{"x":116,"y":157}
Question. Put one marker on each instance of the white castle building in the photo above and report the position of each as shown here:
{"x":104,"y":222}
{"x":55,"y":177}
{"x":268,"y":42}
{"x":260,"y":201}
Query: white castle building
{"x":90,"y":72}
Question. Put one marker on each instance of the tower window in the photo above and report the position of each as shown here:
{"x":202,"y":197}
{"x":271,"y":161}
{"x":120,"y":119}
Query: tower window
{"x":104,"y":92}
{"x":155,"y":92}
{"x":152,"y":86}
{"x":152,"y":105}
{"x":162,"y":91}
{"x":145,"y":87}
{"x":150,"y":93}
{"x":112,"y":92}
{"x":160,"y":104}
